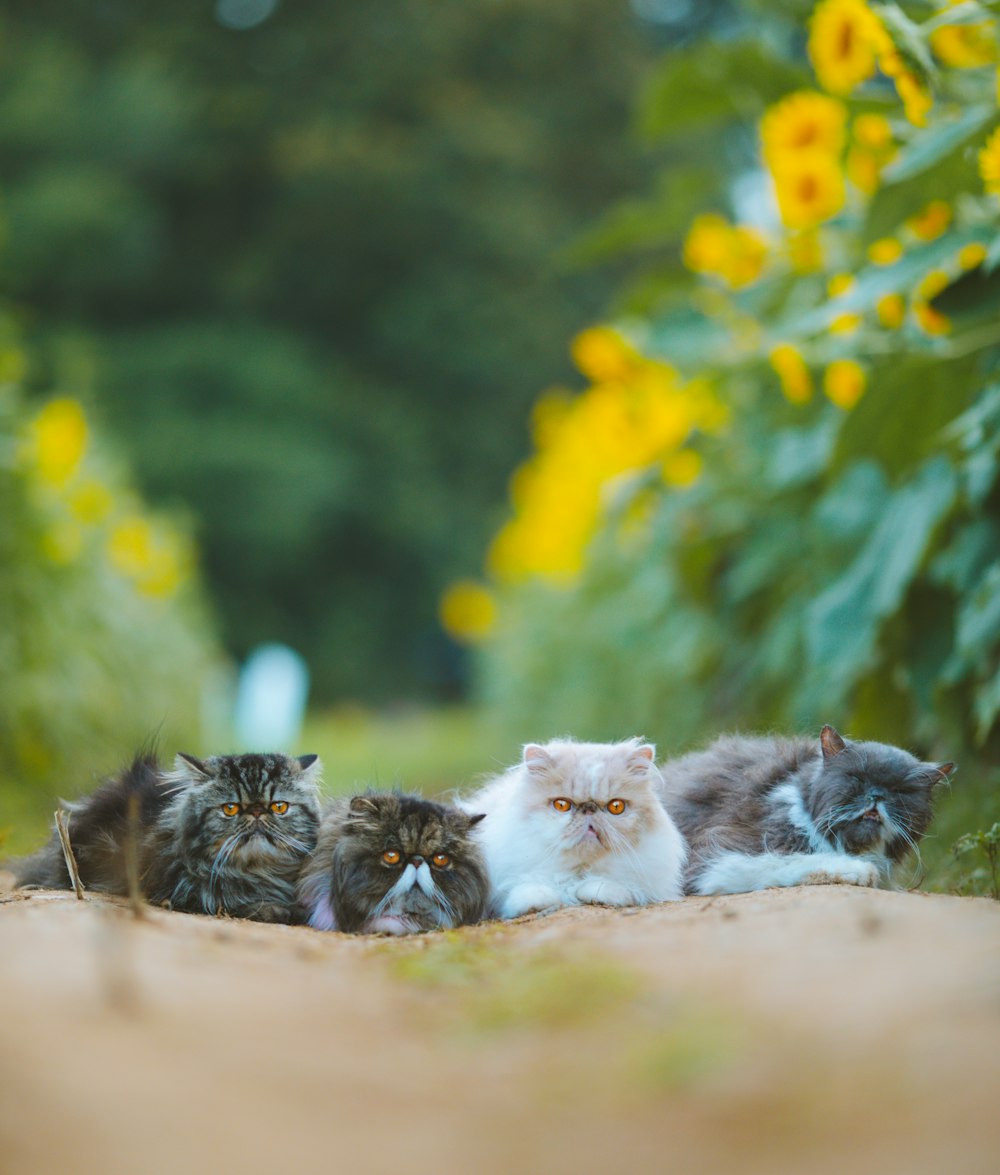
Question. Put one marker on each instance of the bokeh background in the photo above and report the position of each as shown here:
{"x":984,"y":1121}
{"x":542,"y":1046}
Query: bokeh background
{"x":591,"y":366}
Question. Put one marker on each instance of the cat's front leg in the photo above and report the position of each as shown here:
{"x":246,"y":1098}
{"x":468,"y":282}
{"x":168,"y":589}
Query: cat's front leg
{"x":527,"y":898}
{"x":840,"y":869}
{"x":599,"y":891}
{"x":743,"y":872}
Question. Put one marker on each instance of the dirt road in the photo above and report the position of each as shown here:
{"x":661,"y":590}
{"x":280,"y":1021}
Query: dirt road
{"x":826,"y":1029}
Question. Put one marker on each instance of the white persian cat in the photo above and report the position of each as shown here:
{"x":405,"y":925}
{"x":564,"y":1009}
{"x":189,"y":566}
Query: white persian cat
{"x":575,"y":823}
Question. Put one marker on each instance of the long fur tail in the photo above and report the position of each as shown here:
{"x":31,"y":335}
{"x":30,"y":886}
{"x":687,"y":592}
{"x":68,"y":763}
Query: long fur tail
{"x":99,"y":825}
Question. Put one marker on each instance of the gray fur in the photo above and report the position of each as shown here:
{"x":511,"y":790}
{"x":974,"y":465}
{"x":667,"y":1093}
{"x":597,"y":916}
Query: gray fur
{"x":347,"y":885}
{"x":774,"y":795}
{"x":192,"y":856}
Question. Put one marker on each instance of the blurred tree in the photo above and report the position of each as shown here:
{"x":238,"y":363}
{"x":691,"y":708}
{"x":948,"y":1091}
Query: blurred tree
{"x":302,"y":259}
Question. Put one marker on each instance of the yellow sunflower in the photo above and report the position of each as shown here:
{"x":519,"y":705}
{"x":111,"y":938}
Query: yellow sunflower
{"x":931,"y":221}
{"x":804,"y":121}
{"x":810,"y":188}
{"x":989,"y":163}
{"x":791,"y":369}
{"x":844,"y":383}
{"x":844,"y":38}
{"x":965,"y":46}
{"x":891,"y":311}
{"x":735,"y":253}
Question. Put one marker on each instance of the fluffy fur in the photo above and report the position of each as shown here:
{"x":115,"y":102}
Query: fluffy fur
{"x":540,"y":857}
{"x":98,"y":829}
{"x":223,"y":835}
{"x":388,"y":863}
{"x":770,"y":811}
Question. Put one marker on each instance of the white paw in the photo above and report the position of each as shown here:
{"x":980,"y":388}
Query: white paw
{"x":596,"y":890}
{"x":390,"y":924}
{"x":852,"y":871}
{"x":528,"y":899}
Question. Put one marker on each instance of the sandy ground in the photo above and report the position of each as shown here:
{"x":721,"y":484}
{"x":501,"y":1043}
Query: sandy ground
{"x":825,"y":1029}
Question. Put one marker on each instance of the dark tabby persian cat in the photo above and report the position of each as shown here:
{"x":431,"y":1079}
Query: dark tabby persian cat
{"x":762,"y":812}
{"x":388,"y":863}
{"x":223,"y":835}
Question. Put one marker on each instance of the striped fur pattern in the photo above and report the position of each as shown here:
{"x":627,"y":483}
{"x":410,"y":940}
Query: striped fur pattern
{"x":222,"y":835}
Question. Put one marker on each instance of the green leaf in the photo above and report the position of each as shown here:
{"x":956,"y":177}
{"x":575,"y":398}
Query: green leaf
{"x":714,"y":83}
{"x":801,"y":454}
{"x":974,"y":297}
{"x":977,"y":629}
{"x":965,"y":559}
{"x":638,"y":225}
{"x":967,"y":13}
{"x":843,"y":623}
{"x":908,"y":38}
{"x":937,"y":141}
{"x":877,"y":280}
{"x":899,"y":422}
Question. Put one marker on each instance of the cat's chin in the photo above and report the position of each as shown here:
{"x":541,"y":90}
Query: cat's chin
{"x":863,"y":835}
{"x":258,"y":848}
{"x":587,"y":846}
{"x":393,"y":924}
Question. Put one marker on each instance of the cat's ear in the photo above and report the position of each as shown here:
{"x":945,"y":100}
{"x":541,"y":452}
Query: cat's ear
{"x":640,"y":758}
{"x":941,"y":772}
{"x":536,"y":758}
{"x":363,"y":805}
{"x":193,"y":768}
{"x":475,"y":819}
{"x":310,"y":769}
{"x":831,"y":742}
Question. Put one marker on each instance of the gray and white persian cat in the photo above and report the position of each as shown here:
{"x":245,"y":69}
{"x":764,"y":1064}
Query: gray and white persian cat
{"x":767,"y":811}
{"x":222,"y":835}
{"x":389,"y":863}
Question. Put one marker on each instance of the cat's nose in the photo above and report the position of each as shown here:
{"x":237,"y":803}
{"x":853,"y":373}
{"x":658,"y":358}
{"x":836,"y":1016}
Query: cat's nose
{"x":255,"y":809}
{"x":417,"y":861}
{"x":588,"y":806}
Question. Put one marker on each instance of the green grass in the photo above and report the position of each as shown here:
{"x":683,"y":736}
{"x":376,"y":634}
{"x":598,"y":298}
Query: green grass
{"x":489,"y":986}
{"x":429,"y":751}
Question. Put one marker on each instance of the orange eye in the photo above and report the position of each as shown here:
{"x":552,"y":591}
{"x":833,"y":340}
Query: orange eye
{"x":616,"y":807}
{"x":562,"y":805}
{"x":279,"y":807}
{"x":230,"y":809}
{"x":440,"y":860}
{"x":391,"y":857}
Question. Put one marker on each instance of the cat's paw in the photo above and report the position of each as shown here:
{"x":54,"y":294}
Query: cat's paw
{"x":851,"y":871}
{"x":273,"y":912}
{"x":391,"y":924}
{"x":598,"y":891}
{"x":530,"y":898}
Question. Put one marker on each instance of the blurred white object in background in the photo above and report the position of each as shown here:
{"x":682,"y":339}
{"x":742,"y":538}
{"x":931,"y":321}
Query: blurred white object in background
{"x":271,"y":699}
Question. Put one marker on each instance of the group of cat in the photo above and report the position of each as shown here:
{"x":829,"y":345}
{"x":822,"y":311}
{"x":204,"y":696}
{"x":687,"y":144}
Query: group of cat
{"x":573,"y":823}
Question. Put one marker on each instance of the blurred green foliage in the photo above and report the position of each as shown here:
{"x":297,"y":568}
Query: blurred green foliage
{"x":104,"y":637}
{"x":837,"y":557}
{"x":307,"y":273}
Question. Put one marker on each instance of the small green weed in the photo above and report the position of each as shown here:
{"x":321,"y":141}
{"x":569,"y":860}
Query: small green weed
{"x":495,"y":988}
{"x":987,"y":843}
{"x":694,"y":1044}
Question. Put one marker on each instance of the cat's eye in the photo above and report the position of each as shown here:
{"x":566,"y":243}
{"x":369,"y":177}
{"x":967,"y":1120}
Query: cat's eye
{"x":390,"y":857}
{"x":230,"y":809}
{"x":562,"y":805}
{"x":616,"y":807}
{"x":279,"y":807}
{"x":440,"y":860}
